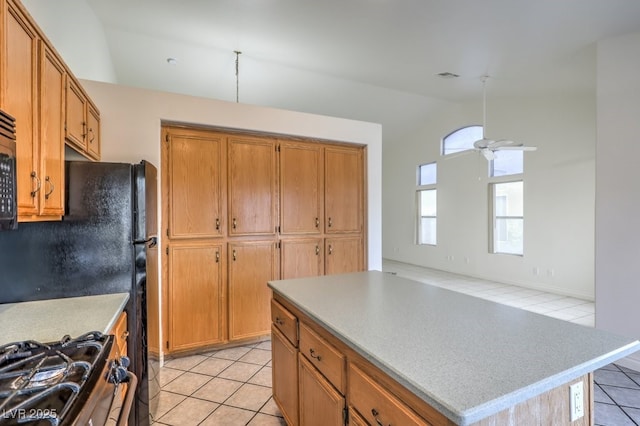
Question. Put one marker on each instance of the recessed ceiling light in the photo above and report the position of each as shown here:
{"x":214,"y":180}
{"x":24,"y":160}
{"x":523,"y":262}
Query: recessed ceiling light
{"x":447,"y":75}
{"x":172,"y":61}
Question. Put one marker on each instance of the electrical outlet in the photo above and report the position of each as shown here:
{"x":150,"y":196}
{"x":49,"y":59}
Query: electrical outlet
{"x":576,"y":400}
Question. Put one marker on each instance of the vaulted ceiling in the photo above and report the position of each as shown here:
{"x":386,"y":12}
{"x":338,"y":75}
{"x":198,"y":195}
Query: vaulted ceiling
{"x":375,"y":60}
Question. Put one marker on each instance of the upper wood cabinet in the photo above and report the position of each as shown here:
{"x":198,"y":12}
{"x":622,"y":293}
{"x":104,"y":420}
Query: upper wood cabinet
{"x":301,"y":198}
{"x":343,"y":255}
{"x":82,"y":127}
{"x":343,"y":190}
{"x":252,"y":181}
{"x":196,"y":177}
{"x":31,"y":90}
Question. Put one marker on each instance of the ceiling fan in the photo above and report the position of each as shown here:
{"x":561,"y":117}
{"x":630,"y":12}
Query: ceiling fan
{"x":488,"y":147}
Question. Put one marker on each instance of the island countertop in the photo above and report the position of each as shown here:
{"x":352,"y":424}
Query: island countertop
{"x":467,"y":357}
{"x":49,"y":320}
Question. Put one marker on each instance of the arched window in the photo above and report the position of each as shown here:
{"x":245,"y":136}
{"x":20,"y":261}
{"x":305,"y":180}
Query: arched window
{"x":461,"y":139}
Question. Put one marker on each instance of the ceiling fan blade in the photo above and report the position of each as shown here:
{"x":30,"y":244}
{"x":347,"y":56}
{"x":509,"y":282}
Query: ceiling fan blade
{"x":504,"y":142}
{"x":483,"y":143}
{"x":488,"y":154}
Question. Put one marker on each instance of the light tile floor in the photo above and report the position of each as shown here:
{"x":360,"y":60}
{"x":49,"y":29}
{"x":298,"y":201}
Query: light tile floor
{"x":233,"y":386}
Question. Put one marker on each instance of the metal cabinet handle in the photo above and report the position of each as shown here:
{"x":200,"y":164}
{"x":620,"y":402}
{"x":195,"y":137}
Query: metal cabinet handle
{"x":84,"y":130}
{"x":38,"y":184}
{"x":218,"y":257}
{"x":330,"y":222}
{"x":217,"y":224}
{"x":48,"y":180}
{"x":279,"y":321}
{"x":313,"y":355}
{"x":234,"y":255}
{"x":375,"y":415}
{"x":235,"y":223}
{"x":330,"y":249}
{"x":92,"y":135}
{"x":317,"y":223}
{"x":317,"y":250}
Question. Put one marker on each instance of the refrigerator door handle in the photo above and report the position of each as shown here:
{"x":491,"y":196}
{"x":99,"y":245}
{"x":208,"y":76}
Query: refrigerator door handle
{"x":153,"y":241}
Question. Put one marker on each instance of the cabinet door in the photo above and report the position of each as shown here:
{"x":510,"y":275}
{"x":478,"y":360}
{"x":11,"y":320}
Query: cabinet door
{"x":343,"y":255}
{"x":252,"y":186}
{"x":196,"y":187}
{"x":320,"y":403}
{"x":343,"y":189}
{"x":300,"y":188}
{"x":93,"y":132}
{"x":76,"y":124}
{"x":251,"y":265}
{"x":18,"y":97}
{"x":52,"y":81}
{"x":285,"y":376}
{"x":195,"y":295}
{"x":302,"y":258}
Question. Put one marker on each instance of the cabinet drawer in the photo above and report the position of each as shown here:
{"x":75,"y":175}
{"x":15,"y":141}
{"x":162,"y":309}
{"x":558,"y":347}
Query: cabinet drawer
{"x":286,"y":322}
{"x":324,"y":357}
{"x":375,"y":404}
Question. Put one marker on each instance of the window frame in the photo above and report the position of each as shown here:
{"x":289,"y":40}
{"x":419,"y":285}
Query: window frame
{"x":492,"y":212}
{"x":460,"y":129}
{"x":418,"y":214}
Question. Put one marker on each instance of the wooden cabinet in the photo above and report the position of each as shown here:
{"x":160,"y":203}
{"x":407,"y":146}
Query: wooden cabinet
{"x":195,"y":168}
{"x":251,"y":265}
{"x":82,"y":127}
{"x":195,"y":308}
{"x":264,"y":199}
{"x":343,"y":255}
{"x":355,"y":419}
{"x":252,"y":186}
{"x":31,"y":90}
{"x":302,"y":257}
{"x":322,"y":355}
{"x":343,"y":190}
{"x":301,"y":198}
{"x":285,"y":376}
{"x":284,"y":343}
{"x":120,"y":333}
{"x":375,"y":404}
{"x":320,"y":403}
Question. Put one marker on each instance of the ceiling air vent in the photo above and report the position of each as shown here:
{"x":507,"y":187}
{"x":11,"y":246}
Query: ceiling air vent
{"x":447,"y":75}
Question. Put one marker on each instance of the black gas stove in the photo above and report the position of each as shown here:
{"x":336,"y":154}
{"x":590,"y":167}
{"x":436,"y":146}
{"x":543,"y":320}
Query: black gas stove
{"x":79,"y":381}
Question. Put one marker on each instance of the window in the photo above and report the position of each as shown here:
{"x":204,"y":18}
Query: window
{"x":461,"y":139}
{"x":507,"y":163}
{"x":508,"y":217}
{"x":426,"y":200}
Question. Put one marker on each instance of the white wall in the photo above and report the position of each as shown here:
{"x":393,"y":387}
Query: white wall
{"x":618,"y":189}
{"x":559,"y":194}
{"x":131,"y":120}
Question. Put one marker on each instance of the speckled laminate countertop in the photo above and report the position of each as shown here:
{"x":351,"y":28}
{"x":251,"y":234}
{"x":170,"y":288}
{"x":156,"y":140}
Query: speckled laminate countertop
{"x":467,"y":357}
{"x":49,"y":320}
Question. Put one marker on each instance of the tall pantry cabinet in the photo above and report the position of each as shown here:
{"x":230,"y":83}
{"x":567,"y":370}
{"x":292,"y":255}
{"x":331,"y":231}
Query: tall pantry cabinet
{"x":242,"y":209}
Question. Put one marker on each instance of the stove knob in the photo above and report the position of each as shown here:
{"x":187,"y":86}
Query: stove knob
{"x":124,"y":361}
{"x":118,"y":374}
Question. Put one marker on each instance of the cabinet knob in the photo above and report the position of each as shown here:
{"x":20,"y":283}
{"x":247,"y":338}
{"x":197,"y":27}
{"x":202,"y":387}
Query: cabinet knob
{"x":235,"y":223}
{"x":317,"y":250}
{"x":218,"y":257}
{"x":375,"y":415}
{"x":217,"y":224}
{"x":317,"y":223}
{"x":330,"y":222}
{"x":234,"y":255}
{"x":330,"y":249}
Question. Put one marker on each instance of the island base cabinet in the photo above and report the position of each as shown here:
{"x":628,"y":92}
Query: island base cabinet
{"x":320,"y":403}
{"x":285,"y":376}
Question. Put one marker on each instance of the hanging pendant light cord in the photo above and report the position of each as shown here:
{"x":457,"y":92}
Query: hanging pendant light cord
{"x":484,"y":104}
{"x":237,"y":52}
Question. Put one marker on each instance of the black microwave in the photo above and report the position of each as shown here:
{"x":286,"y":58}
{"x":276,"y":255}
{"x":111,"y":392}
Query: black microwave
{"x":8,"y":196}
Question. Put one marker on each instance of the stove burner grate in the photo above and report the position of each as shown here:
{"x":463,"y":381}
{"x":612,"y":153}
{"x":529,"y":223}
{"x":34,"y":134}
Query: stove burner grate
{"x":40,"y":382}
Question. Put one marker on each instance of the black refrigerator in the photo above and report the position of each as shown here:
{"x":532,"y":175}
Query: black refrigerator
{"x":102,"y":245}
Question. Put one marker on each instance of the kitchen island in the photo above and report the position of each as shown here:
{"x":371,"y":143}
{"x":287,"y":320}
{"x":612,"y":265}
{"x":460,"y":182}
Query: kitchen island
{"x":49,"y":320}
{"x":388,"y":350}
